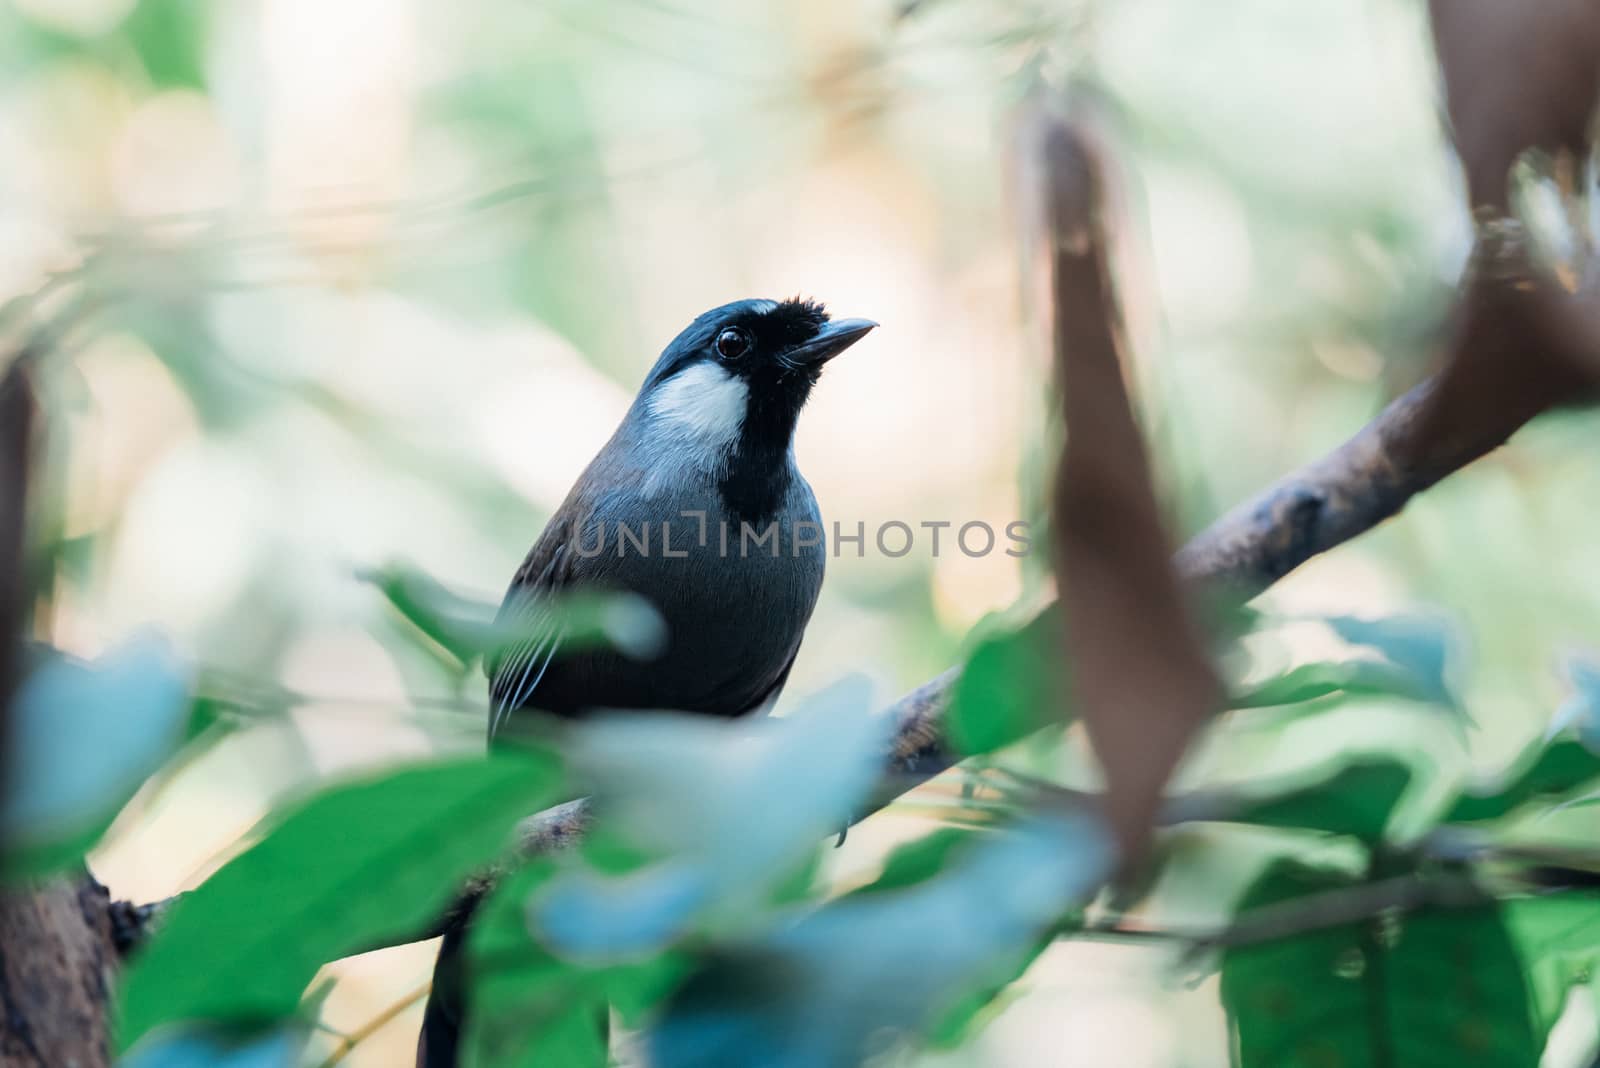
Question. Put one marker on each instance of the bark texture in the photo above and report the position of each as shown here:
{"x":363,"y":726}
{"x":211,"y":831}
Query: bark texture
{"x":56,"y":967}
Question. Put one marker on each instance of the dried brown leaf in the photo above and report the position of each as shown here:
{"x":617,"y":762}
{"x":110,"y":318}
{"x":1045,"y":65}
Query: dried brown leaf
{"x":1142,"y":683}
{"x":1517,"y":75}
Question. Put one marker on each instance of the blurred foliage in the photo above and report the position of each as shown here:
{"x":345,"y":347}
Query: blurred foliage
{"x":1366,"y":993}
{"x":59,"y":795}
{"x":339,"y":284}
{"x":681,"y":913}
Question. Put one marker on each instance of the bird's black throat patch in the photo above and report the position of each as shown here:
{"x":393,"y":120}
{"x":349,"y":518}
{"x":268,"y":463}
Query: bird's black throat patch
{"x":758,"y":474}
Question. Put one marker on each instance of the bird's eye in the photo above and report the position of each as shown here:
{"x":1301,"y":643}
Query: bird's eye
{"x":732,"y":343}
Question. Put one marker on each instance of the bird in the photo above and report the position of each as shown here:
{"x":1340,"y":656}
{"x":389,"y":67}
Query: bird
{"x":697,"y":506}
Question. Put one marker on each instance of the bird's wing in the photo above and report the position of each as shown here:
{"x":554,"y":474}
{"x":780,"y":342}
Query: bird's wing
{"x":529,"y":610}
{"x":763,"y":704}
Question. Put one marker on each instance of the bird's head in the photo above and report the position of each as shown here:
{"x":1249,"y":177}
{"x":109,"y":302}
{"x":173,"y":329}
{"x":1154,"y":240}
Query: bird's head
{"x":739,"y":374}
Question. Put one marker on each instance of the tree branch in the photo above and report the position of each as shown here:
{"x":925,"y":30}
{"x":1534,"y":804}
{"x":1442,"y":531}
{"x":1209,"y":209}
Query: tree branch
{"x":1315,"y":912}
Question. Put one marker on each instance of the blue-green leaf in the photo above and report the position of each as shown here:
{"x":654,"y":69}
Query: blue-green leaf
{"x":85,"y":737}
{"x":724,"y":811}
{"x":838,"y":984}
{"x":1413,"y":657}
{"x":204,"y":1047}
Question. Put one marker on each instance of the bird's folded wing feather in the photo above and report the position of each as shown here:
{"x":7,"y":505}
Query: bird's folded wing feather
{"x":530,"y":611}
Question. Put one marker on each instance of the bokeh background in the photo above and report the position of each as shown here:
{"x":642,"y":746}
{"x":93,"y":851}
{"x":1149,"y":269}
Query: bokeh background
{"x":370,"y":281}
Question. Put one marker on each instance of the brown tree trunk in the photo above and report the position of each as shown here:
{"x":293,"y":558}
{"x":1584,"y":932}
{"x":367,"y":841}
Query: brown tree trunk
{"x":57,"y":961}
{"x":56,"y":952}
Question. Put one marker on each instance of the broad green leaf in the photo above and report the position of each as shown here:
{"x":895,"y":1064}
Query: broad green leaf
{"x":919,"y":860}
{"x":459,"y":626}
{"x":170,"y":37}
{"x":1562,"y":762}
{"x":1545,"y":770}
{"x":211,"y":714}
{"x":358,"y":865}
{"x":1014,"y":681}
{"x":1558,"y":938}
{"x":1437,"y":987}
{"x":464,"y":629}
{"x":527,"y":1007}
{"x":530,"y":1008}
{"x":1356,"y":798}
{"x":1013,"y":684}
{"x":85,"y":737}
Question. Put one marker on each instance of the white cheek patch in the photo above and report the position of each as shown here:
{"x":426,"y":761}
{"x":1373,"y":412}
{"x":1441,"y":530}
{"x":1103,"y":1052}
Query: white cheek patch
{"x":703,"y":403}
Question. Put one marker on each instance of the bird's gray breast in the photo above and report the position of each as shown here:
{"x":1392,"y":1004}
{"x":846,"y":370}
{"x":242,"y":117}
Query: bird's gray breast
{"x":735,"y":596}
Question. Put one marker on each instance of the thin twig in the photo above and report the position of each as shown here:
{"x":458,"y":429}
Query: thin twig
{"x":1312,"y":912}
{"x":348,"y":1042}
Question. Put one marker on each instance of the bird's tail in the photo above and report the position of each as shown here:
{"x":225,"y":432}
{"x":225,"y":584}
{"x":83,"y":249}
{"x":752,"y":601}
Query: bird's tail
{"x":439,"y":1042}
{"x":444,"y":1020}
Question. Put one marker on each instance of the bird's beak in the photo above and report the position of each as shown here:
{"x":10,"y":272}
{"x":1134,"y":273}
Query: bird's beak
{"x":830,"y":341}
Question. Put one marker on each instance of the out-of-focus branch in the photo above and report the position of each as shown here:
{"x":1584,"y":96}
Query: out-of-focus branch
{"x":1522,"y":339}
{"x":55,"y":945}
{"x":1432,"y":431}
{"x":1316,"y":912}
{"x":16,"y":448}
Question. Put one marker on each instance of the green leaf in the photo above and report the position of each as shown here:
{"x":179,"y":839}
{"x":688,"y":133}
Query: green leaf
{"x":1544,"y":770}
{"x":922,"y":859}
{"x":1416,"y":655}
{"x":463,"y":629}
{"x":1558,"y":937}
{"x":1438,"y":987}
{"x":527,"y":1007}
{"x":1410,"y":657}
{"x":459,"y":627}
{"x":1356,"y":798}
{"x":531,"y":1009}
{"x":1013,"y":684}
{"x":211,"y":715}
{"x":358,"y":865}
{"x":60,"y":793}
{"x":170,"y":37}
